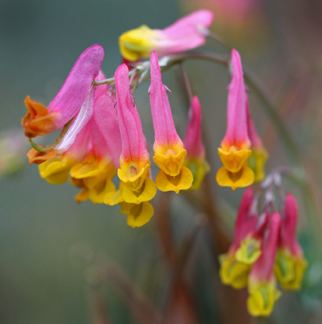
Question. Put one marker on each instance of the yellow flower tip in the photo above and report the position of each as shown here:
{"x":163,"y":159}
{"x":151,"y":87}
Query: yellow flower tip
{"x":233,"y":272}
{"x":290,"y":269}
{"x":249,"y":251}
{"x":199,"y":169}
{"x":170,"y":159}
{"x":183,"y":181}
{"x":134,"y":172}
{"x":234,"y":159}
{"x":56,"y":170}
{"x":135,"y":195}
{"x":262,"y":297}
{"x":244,"y":178}
{"x":257,"y":162}
{"x":138,"y":43}
{"x":137,"y":214}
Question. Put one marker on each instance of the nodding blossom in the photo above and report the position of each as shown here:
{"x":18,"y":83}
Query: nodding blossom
{"x":235,"y":148}
{"x":136,"y":185}
{"x":187,"y":33}
{"x":196,"y":160}
{"x":169,"y":151}
{"x":290,"y":263}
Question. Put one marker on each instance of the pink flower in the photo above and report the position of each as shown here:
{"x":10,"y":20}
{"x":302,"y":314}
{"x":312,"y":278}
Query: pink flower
{"x":291,"y":264}
{"x":187,"y":33}
{"x":89,"y":151}
{"x":262,"y":289}
{"x":40,"y":120}
{"x":136,"y":185}
{"x":196,"y":161}
{"x":246,"y":247}
{"x":235,"y":147}
{"x":169,"y":151}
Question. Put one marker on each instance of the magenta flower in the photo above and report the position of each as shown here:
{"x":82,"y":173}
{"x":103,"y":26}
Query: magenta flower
{"x":262,"y":290}
{"x":169,"y":151}
{"x":291,"y":264}
{"x":136,"y":185}
{"x":235,"y":147}
{"x":89,"y":150}
{"x":196,"y":161}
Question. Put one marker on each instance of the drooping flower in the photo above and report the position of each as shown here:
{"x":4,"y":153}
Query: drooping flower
{"x":290,"y":263}
{"x":169,"y":151}
{"x":89,"y":150}
{"x":262,"y":286}
{"x":196,"y":160}
{"x":40,"y":120}
{"x":136,"y":185}
{"x":187,"y":33}
{"x":258,"y":158}
{"x":235,"y":148}
{"x":246,"y":246}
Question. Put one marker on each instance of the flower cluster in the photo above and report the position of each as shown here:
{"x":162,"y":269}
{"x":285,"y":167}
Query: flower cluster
{"x":265,"y":251}
{"x":102,"y":147}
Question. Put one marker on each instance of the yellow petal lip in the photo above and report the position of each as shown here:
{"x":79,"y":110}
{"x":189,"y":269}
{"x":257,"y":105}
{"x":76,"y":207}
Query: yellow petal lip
{"x":132,"y":171}
{"x":233,"y":158}
{"x":138,"y":43}
{"x":183,"y":181}
{"x":94,"y":176}
{"x":145,"y":193}
{"x":137,"y":214}
{"x":289,"y":269}
{"x":170,"y":158}
{"x":56,"y":170}
{"x":233,"y":272}
{"x":249,"y":251}
{"x":262,"y":297}
{"x":244,"y":178}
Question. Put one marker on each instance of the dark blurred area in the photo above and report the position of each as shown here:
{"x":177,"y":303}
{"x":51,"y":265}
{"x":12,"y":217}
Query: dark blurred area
{"x":62,"y":262}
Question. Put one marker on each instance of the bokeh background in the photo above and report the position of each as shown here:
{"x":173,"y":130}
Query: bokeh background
{"x":48,"y":242}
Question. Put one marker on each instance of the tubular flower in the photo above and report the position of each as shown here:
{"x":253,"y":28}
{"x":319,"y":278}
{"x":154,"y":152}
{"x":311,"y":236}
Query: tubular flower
{"x":290,"y":263}
{"x":136,"y":185}
{"x":235,"y":148}
{"x":259,"y":155}
{"x":88,"y":151}
{"x":246,"y":246}
{"x":40,"y":120}
{"x":195,"y":161}
{"x":187,"y":33}
{"x":262,"y":289}
{"x":169,"y":151}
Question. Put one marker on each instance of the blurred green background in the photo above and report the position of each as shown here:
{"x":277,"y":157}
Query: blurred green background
{"x":46,"y":239}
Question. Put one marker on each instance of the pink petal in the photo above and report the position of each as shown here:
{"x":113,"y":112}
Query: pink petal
{"x":263,"y":268}
{"x":186,"y":33}
{"x":164,"y":128}
{"x":193,"y":138}
{"x":76,"y":87}
{"x":132,"y":136}
{"x":236,"y":133}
